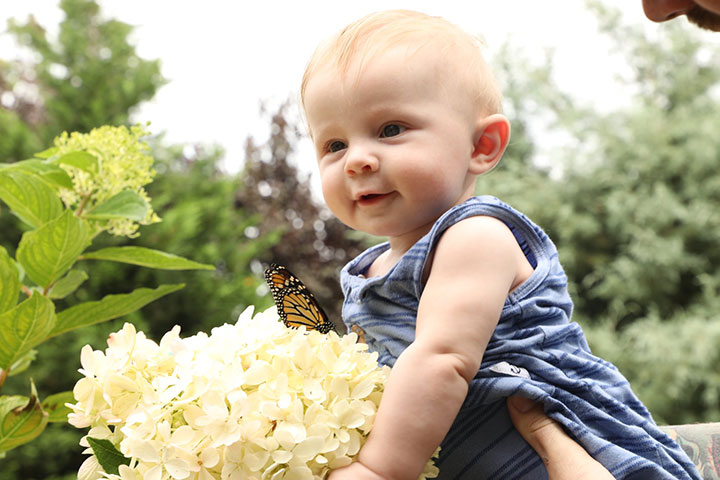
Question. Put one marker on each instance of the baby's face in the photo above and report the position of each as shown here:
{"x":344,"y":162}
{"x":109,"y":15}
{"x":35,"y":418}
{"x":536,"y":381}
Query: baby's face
{"x":393,"y":141}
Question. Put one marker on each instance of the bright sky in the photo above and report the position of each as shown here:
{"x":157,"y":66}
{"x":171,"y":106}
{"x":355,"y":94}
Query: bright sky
{"x":223,"y":58}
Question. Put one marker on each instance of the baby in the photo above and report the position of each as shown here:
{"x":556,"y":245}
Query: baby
{"x":467,"y":301}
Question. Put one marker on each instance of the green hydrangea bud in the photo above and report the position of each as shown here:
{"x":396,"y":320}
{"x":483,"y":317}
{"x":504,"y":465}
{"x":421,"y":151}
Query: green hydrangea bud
{"x":124,"y":163}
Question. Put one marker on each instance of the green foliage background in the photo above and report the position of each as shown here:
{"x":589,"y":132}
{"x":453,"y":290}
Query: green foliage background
{"x":632,"y":205}
{"x":631,"y":199}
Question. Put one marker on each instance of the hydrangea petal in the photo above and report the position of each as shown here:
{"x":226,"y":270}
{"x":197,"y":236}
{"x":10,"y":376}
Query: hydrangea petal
{"x":90,"y":469}
{"x":309,"y":448}
{"x":209,"y":457}
{"x":177,"y":468}
{"x":282,"y":456}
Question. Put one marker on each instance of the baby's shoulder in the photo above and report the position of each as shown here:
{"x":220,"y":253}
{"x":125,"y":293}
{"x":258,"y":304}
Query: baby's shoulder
{"x":471,"y":230}
{"x":474,"y":239}
{"x":482,"y":243}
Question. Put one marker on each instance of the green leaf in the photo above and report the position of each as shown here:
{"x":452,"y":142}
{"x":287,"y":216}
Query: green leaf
{"x":25,"y":326}
{"x":9,"y":282}
{"x":111,"y":306}
{"x":22,"y":363}
{"x":80,"y":159}
{"x":126,"y":204}
{"x":58,"y":177}
{"x":21,"y":419}
{"x":29,"y":197}
{"x":68,"y":284}
{"x":48,"y":252}
{"x":107,"y":455}
{"x":146,"y":257}
{"x":54,"y":405}
{"x":55,"y":175}
{"x":46,"y":153}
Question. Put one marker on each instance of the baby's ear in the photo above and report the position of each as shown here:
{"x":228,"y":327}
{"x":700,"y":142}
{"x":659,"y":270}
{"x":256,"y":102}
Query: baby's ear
{"x":491,"y":138}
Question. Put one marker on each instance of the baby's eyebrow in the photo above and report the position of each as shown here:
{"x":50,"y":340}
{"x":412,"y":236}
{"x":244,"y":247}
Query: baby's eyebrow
{"x":320,"y":143}
{"x":320,"y":133}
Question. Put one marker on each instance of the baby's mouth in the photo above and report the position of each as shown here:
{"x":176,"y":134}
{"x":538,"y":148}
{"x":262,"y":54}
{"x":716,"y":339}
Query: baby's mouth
{"x":371,"y":198}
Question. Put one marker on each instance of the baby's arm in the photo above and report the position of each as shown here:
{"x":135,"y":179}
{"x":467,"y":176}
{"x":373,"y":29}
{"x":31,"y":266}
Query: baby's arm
{"x":475,"y":265}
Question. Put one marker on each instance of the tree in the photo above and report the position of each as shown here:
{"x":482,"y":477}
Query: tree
{"x":197,"y":202}
{"x":89,"y":76}
{"x":312,"y":243}
{"x":634,"y":214}
{"x":86,"y":185}
{"x":202,"y":220}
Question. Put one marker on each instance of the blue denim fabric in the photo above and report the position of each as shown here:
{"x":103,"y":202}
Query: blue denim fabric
{"x":536,"y":351}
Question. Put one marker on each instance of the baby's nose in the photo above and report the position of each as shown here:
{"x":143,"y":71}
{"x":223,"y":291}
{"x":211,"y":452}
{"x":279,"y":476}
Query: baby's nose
{"x":361,"y":162}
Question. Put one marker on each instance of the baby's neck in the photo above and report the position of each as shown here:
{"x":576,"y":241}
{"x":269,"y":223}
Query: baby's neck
{"x":383,"y":263}
{"x":398,"y":246}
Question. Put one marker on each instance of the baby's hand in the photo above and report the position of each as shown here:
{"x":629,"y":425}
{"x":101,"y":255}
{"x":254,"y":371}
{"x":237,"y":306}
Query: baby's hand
{"x":354,"y":471}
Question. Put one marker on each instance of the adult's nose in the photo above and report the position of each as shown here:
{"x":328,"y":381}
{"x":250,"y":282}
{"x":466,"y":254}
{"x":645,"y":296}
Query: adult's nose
{"x":663,"y":10}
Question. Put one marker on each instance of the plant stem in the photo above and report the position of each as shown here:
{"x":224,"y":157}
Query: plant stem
{"x":3,"y":376}
{"x":85,"y":199}
{"x":26,"y":291}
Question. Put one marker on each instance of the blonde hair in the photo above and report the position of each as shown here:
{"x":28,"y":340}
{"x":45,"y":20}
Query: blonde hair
{"x":381,"y":31}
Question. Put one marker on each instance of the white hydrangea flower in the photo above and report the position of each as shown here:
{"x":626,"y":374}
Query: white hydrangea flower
{"x":254,"y":400}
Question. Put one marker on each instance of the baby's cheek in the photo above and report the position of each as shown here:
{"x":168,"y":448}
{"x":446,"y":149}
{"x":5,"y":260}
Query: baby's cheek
{"x":328,"y":184}
{"x":334,"y":195}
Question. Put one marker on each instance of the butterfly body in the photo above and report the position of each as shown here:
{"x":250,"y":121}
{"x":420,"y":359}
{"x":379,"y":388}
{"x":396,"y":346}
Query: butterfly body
{"x":296,"y":305}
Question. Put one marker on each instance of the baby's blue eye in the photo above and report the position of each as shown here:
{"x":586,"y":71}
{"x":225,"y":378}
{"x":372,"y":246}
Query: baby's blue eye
{"x":336,"y":146}
{"x":392,"y":130}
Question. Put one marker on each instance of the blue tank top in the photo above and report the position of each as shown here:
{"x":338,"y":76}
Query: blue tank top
{"x":535,"y":351}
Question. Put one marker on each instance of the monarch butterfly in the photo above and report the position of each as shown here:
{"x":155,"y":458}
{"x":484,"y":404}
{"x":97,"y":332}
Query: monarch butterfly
{"x":296,"y":305}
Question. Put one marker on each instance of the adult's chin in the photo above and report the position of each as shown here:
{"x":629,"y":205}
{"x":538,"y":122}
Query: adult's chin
{"x":704,"y":18}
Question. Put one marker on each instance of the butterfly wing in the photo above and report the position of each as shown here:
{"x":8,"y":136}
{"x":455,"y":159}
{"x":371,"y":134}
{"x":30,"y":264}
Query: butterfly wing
{"x":302,"y":310}
{"x":278,"y":279}
{"x":296,"y":305}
